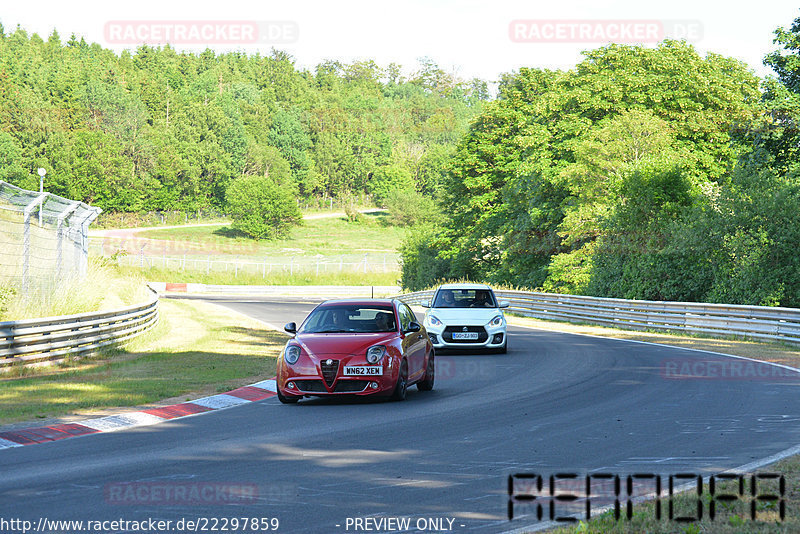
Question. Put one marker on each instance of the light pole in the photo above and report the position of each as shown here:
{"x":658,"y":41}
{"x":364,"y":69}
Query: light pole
{"x":41,"y":172}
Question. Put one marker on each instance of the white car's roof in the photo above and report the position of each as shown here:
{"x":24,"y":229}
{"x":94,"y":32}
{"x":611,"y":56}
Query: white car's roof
{"x":464,"y":286}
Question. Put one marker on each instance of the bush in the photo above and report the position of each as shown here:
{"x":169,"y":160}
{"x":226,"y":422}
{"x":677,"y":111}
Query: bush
{"x":422,"y":266}
{"x":260,"y":208}
{"x":409,"y":208}
{"x":387,"y":179}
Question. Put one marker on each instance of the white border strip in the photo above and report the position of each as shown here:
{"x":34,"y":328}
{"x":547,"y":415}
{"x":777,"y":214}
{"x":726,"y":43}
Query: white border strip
{"x":267,"y":385}
{"x":219,"y":402}
{"x":119,"y":422}
{"x":5,"y":444}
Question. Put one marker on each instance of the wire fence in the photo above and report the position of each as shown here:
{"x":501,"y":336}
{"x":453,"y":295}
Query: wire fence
{"x":183,"y":217}
{"x":113,"y":219}
{"x":350,"y":263}
{"x":44,"y":239}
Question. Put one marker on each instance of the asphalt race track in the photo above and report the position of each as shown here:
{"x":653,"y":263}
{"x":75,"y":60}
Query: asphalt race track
{"x":554,"y":403}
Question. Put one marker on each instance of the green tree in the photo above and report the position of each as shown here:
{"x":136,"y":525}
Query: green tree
{"x":539,"y":170}
{"x":260,"y":208}
{"x":11,"y":169}
{"x":288,"y":135}
{"x":387,"y":179}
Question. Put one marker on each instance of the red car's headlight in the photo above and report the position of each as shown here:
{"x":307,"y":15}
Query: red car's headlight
{"x":291,"y":354}
{"x":375,"y":353}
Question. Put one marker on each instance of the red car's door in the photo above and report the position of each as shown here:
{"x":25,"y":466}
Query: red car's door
{"x":414,"y":344}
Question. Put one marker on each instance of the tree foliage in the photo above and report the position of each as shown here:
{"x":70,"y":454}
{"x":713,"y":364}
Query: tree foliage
{"x":648,"y":173}
{"x":157,"y":129}
{"x":260,"y":208}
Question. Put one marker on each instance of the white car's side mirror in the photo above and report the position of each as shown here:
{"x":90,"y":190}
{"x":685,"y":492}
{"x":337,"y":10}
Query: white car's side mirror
{"x":504,"y":304}
{"x":425,"y":304}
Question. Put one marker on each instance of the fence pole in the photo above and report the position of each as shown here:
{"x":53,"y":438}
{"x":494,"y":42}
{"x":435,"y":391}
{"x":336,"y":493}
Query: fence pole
{"x":26,"y":240}
{"x":60,"y":238}
{"x":26,"y":253}
{"x":365,"y":263}
{"x":84,"y":266}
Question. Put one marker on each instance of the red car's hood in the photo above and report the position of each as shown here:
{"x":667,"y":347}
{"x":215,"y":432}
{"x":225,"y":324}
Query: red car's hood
{"x":319,"y":344}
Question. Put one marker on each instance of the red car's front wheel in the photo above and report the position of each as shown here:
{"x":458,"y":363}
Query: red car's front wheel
{"x":287,"y":400}
{"x":402,"y":383}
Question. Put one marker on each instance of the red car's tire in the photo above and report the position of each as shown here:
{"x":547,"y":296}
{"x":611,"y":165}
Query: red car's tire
{"x":287,"y":400}
{"x":401,"y":388}
{"x":426,"y":384}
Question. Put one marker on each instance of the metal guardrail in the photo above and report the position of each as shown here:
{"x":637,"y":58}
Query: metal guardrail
{"x":757,"y":322}
{"x":39,"y":340}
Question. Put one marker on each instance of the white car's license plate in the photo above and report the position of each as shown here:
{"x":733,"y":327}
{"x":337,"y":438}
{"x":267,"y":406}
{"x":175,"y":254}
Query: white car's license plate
{"x":361,"y":370}
{"x":465,"y":335}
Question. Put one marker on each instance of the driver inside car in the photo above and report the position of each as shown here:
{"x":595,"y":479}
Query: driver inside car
{"x":335,"y":320}
{"x":448,"y":301}
{"x":482,"y":300}
{"x":384,"y":322}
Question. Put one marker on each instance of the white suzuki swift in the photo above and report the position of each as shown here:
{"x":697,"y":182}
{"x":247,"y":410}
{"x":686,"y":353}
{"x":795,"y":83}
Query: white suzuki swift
{"x":466,"y":316}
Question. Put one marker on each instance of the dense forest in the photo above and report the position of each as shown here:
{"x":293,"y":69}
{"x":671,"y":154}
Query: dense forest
{"x":644,"y":173}
{"x":156,"y":129}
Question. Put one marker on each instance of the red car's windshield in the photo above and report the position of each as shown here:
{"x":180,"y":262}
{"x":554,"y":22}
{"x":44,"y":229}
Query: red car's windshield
{"x":350,"y":318}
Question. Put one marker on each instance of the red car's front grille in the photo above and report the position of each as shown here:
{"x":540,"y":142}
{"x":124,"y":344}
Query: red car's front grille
{"x":329,"y":370}
{"x":350,"y":386}
{"x":343,"y":386}
{"x":311,"y":386}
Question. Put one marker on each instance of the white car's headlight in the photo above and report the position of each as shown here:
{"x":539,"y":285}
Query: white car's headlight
{"x":291,"y":354}
{"x":496,"y":321}
{"x":434,"y":321}
{"x":374,"y":354}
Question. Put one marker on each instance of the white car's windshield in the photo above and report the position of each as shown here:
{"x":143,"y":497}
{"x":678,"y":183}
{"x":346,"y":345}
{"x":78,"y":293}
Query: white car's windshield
{"x":464,"y":298}
{"x":349,"y":318}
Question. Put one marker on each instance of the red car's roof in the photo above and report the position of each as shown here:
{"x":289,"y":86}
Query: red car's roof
{"x":361,"y":301}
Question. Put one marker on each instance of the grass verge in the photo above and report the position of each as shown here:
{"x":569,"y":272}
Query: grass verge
{"x":103,"y":288}
{"x":327,"y":237}
{"x":197,"y":349}
{"x":257,"y":279}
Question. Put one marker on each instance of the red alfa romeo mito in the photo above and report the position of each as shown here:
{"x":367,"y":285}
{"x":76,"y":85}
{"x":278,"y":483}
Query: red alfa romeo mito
{"x":367,"y":347}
